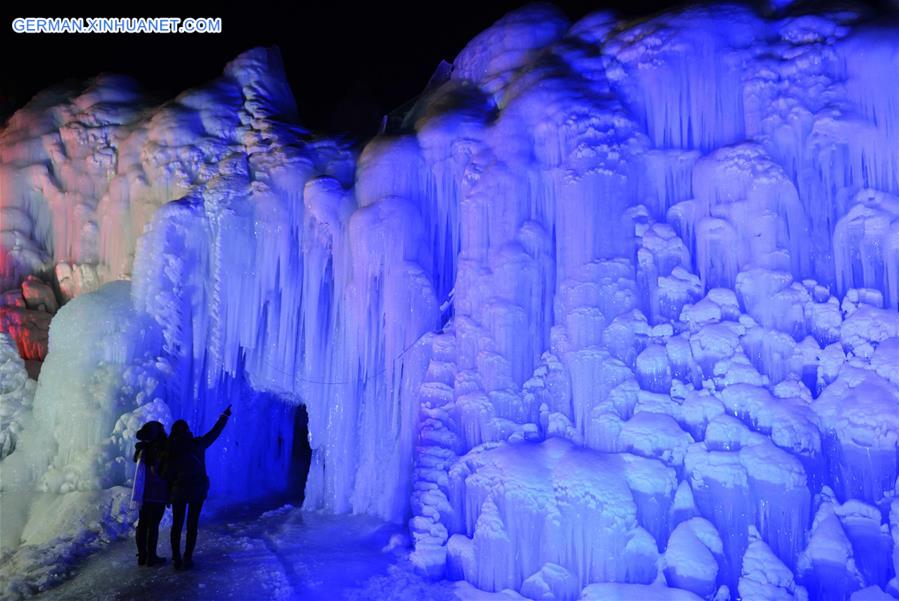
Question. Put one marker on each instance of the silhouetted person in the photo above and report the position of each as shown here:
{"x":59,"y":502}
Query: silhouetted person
{"x":150,"y":490}
{"x":185,"y":469}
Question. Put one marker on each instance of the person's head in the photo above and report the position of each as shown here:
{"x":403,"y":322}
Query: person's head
{"x":180,"y":429}
{"x":151,"y":431}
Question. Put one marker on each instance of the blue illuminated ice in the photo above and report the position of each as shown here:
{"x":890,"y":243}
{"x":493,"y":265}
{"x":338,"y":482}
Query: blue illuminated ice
{"x":610,"y":314}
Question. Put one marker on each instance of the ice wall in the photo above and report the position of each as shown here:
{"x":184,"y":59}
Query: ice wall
{"x":63,"y":174}
{"x":611,"y":313}
{"x":275,"y":274}
{"x":262,"y":280}
{"x":677,"y":255}
{"x":227,"y":264}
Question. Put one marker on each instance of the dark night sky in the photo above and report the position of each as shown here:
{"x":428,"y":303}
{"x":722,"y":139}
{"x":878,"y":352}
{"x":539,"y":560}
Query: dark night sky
{"x":348,"y":62}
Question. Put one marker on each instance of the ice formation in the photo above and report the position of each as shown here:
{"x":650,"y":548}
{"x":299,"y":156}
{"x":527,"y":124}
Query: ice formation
{"x":16,"y":395}
{"x":611,"y":313}
{"x":25,"y":314}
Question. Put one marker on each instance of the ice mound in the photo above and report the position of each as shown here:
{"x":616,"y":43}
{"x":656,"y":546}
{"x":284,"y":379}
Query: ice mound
{"x":519,"y":501}
{"x":859,"y":419}
{"x":611,"y":313}
{"x":16,"y":396}
{"x":764,"y":576}
{"x":64,"y":488}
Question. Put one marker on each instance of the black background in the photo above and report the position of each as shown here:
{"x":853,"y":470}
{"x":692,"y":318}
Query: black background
{"x":347,"y":63}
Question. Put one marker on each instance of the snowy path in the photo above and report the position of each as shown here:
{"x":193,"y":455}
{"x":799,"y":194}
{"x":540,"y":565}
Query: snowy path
{"x":283,"y":554}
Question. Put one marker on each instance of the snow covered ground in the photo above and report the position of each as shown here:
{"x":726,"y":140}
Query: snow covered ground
{"x":290,"y":554}
{"x":284,"y":554}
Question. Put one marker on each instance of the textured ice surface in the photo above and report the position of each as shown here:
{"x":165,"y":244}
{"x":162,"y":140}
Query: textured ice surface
{"x":611,"y":313}
{"x":16,"y":396}
{"x":25,"y":314}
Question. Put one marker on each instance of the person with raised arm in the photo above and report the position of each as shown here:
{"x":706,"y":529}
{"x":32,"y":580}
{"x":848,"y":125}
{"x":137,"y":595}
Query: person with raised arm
{"x":184,"y":467}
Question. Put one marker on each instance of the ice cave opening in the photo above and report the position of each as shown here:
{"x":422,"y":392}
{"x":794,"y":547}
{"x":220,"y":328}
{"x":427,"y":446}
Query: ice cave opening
{"x":300,"y":457}
{"x":266,"y":457}
{"x":609,"y":312}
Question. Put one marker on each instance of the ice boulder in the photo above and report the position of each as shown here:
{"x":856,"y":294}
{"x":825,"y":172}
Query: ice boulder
{"x":827,"y":566}
{"x":493,"y":57}
{"x":859,"y":415}
{"x":736,"y":472}
{"x":38,"y":295}
{"x":515,"y":497}
{"x":692,"y":556}
{"x":551,"y":583}
{"x":764,"y":577}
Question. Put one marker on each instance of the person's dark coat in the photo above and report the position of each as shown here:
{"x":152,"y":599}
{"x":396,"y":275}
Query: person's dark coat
{"x":184,"y":465}
{"x":149,"y":449}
